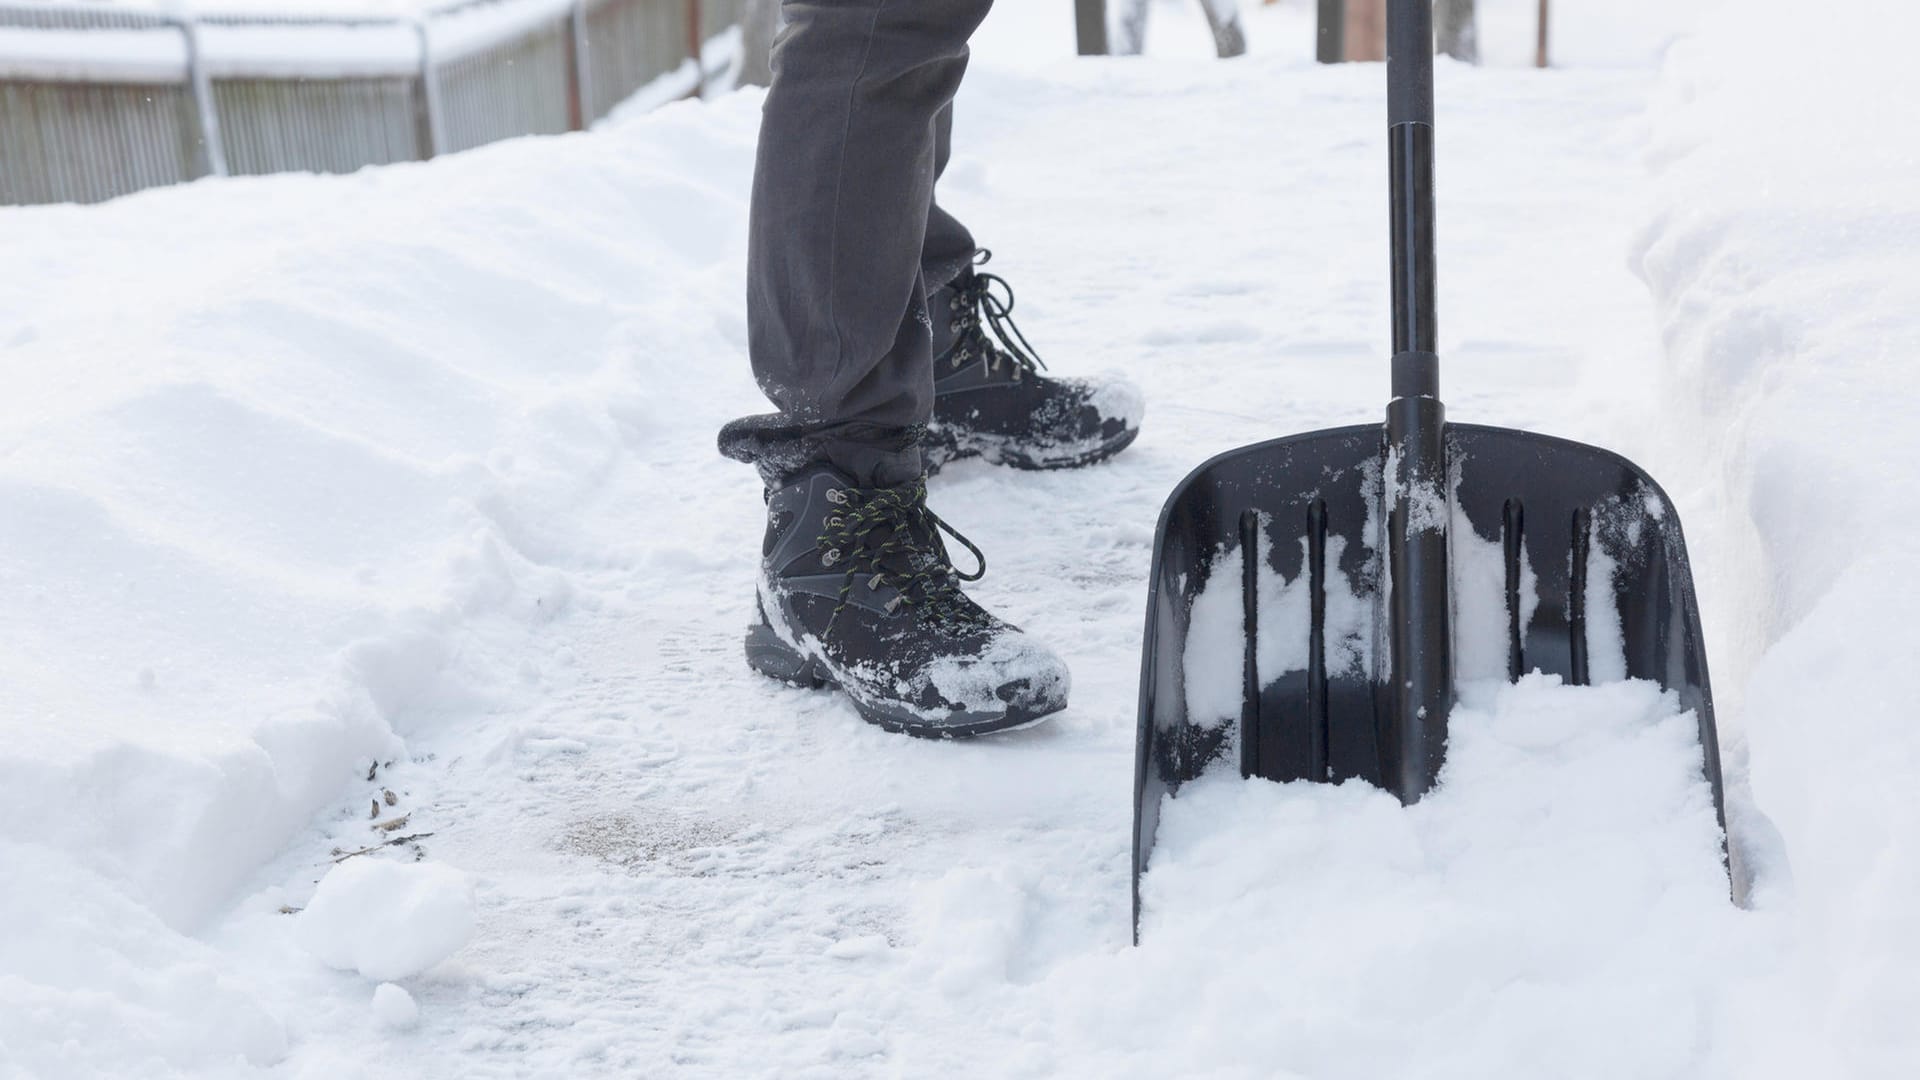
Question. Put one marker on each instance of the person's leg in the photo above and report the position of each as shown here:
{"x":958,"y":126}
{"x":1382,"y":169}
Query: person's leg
{"x":843,"y":183}
{"x":856,"y":589}
{"x":989,"y":396}
{"x":949,"y":248}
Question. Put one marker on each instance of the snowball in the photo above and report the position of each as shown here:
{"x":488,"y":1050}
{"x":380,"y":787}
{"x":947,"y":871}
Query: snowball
{"x":393,"y":1008}
{"x":387,"y":920}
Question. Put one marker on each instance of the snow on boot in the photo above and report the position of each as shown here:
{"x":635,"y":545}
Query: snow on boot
{"x":857,"y":592}
{"x":990,"y":400}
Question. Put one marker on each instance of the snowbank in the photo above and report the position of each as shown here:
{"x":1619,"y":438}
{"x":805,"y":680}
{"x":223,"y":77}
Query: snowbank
{"x":268,"y":505}
{"x":92,"y":983}
{"x":1781,"y":248}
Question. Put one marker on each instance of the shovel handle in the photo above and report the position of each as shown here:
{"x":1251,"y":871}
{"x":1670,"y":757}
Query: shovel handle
{"x":1409,"y":62}
{"x":1420,"y":690}
{"x":1410,"y":141}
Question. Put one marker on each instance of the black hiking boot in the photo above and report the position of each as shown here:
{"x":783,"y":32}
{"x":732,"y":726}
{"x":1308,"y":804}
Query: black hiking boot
{"x":857,"y":592}
{"x":990,"y":400}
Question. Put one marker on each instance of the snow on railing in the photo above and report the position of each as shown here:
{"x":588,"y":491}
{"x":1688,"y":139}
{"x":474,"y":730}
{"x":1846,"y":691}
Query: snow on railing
{"x":97,"y":101}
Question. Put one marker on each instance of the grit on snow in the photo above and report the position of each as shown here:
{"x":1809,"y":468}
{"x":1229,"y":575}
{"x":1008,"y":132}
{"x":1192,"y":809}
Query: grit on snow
{"x":371,"y":701}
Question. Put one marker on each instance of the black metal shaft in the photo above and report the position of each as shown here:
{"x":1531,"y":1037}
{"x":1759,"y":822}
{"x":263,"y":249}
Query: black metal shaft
{"x":1409,"y":62}
{"x":1419,"y":604}
{"x":1419,"y":690}
{"x":1415,"y":318}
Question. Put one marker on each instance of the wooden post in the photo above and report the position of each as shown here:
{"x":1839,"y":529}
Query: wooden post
{"x":693,"y":50}
{"x":1540,"y":42}
{"x":1366,"y":30}
{"x":1090,"y":26}
{"x":576,"y":53}
{"x":1330,"y":38}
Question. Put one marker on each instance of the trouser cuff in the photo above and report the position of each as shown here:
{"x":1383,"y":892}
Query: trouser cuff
{"x":871,"y":455}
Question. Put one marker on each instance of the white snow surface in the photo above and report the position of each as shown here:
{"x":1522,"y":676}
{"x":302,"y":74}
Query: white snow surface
{"x":387,"y":919}
{"x":343,"y":39}
{"x":393,"y":1008}
{"x":1780,"y":246}
{"x":315,"y":489}
{"x":1555,"y":907}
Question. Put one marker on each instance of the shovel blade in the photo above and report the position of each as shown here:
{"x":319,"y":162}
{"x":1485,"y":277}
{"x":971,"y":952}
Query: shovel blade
{"x":1563,"y":558}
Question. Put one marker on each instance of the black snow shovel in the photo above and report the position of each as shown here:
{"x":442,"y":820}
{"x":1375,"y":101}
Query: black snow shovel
{"x":1358,"y":570}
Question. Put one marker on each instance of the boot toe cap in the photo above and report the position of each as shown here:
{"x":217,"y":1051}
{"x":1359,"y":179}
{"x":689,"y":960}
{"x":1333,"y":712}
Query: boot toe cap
{"x":1116,"y":402}
{"x":1014,"y":677}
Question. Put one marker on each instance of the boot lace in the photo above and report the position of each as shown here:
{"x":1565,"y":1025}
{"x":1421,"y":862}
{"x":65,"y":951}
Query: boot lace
{"x":984,"y":323}
{"x":888,"y":536}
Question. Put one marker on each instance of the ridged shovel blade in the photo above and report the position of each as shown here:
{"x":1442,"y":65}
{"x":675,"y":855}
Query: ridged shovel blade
{"x":1563,"y":558}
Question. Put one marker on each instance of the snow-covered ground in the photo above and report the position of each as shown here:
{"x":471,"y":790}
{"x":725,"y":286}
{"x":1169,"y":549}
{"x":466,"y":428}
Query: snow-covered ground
{"x":337,"y":512}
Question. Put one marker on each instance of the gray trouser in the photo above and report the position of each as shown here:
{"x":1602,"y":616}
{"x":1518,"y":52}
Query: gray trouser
{"x":845,"y":241}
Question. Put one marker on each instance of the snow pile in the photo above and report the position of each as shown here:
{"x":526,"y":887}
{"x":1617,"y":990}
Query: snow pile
{"x":86,"y":974}
{"x":268,"y":507}
{"x":1562,"y":886}
{"x":1556,"y":907}
{"x":387,"y":920}
{"x":1783,"y":248}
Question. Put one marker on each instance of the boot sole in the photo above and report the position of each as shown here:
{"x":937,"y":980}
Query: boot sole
{"x":996,"y":453}
{"x":777,"y":660}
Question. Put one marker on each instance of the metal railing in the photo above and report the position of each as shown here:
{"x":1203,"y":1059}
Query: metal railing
{"x":97,"y":102}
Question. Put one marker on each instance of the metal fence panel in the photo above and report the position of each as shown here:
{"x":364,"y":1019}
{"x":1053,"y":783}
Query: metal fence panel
{"x":519,"y":88}
{"x":89,"y":127}
{"x":50,"y":17}
{"x":80,"y":142}
{"x":315,"y":125}
{"x":717,"y":15}
{"x":630,"y":43}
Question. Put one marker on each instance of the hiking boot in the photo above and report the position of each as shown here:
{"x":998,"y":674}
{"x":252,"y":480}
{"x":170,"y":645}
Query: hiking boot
{"x":990,"y":400}
{"x":857,"y":593}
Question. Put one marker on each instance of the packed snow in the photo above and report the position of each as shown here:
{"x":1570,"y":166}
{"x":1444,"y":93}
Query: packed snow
{"x":387,"y":919}
{"x":393,"y":1008}
{"x":1556,"y":907}
{"x":380,"y":514}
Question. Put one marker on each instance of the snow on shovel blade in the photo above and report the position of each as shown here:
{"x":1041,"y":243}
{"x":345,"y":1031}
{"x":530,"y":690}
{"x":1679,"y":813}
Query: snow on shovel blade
{"x":1563,"y":558}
